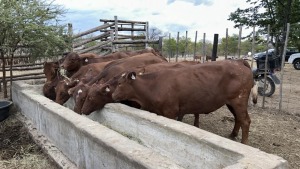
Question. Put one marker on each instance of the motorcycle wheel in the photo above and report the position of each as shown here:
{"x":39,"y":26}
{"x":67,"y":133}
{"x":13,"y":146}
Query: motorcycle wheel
{"x":270,"y":86}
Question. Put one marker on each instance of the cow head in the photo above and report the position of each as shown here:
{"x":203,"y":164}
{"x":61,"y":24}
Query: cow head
{"x":50,"y":70}
{"x":98,"y":96}
{"x":79,"y":94}
{"x":49,"y":90}
{"x":124,"y":88}
{"x":61,"y":90}
{"x":71,"y":62}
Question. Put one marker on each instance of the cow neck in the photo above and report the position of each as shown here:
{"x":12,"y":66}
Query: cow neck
{"x":142,"y":87}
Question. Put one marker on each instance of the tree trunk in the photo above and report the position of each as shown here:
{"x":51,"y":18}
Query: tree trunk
{"x":286,"y":21}
{"x":4,"y":76}
{"x":11,"y":74}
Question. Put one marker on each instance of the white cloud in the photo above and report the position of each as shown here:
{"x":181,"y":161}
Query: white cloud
{"x":205,"y":16}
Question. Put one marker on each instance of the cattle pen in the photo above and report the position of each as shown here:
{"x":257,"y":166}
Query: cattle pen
{"x":114,"y":35}
{"x":128,"y":138}
{"x":290,"y":88}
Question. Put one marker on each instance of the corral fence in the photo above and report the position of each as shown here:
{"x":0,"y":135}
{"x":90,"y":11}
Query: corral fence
{"x":112,"y":35}
{"x":286,"y":96}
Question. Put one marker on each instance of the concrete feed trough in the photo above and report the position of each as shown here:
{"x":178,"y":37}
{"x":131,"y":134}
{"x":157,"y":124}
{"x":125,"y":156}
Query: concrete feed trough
{"x":119,"y":136}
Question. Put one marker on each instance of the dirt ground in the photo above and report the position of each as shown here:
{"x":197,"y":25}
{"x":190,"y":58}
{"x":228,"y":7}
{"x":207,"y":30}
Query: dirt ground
{"x":273,"y":131}
{"x":270,"y":131}
{"x":17,"y":149}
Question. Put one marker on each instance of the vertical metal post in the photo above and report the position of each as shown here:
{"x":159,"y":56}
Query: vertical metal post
{"x":177,"y":47}
{"x":282,"y":64}
{"x":195,"y":46}
{"x":239,"y":42}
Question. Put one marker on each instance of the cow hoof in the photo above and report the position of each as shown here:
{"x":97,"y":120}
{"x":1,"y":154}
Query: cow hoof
{"x":233,"y":136}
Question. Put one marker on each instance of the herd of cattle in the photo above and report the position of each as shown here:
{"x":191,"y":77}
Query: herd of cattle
{"x":145,"y":79}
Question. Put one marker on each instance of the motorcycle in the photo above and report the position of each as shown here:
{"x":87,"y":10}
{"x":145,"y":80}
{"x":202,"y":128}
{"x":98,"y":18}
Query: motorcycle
{"x":274,"y":63}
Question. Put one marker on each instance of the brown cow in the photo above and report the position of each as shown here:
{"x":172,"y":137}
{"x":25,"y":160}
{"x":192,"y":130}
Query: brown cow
{"x":99,"y":95}
{"x":198,"y":89}
{"x":52,"y":79}
{"x":50,"y":70}
{"x":116,"y":68}
{"x":85,"y":73}
{"x":73,"y":61}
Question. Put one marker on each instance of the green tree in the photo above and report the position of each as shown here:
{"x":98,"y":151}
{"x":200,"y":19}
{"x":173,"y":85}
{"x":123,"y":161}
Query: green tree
{"x":232,"y":43}
{"x":30,"y":24}
{"x":276,"y":13}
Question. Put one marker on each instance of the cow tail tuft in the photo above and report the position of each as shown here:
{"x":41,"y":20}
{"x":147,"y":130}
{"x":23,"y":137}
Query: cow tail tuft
{"x":254,"y":93}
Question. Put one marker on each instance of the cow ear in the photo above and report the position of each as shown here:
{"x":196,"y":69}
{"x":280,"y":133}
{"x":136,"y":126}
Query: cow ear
{"x":131,"y":76}
{"x":107,"y":89}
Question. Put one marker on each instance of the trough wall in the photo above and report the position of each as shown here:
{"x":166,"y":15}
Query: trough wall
{"x":119,"y":136}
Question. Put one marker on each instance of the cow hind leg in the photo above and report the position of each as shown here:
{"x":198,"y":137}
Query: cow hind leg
{"x":242,"y":120}
{"x":237,"y":124}
{"x":196,"y":121}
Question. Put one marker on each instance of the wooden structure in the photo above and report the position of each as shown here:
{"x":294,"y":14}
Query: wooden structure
{"x":114,"y":34}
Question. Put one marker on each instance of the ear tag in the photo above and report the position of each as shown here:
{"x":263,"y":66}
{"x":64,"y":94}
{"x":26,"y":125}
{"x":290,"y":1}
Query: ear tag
{"x":107,"y":89}
{"x":123,"y":74}
{"x":86,"y":60}
{"x":132,"y":77}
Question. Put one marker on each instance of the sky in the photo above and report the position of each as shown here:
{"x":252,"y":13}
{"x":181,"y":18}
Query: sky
{"x":169,"y":16}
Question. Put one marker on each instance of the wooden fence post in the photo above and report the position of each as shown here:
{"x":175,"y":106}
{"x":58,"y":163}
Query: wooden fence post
{"x":282,"y":64}
{"x":146,"y":33}
{"x":177,"y":46}
{"x":169,"y":47}
{"x":195,"y":46}
{"x":185,"y":49}
{"x":70,"y":34}
{"x":160,"y":44}
{"x":116,"y":33}
{"x":239,"y":42}
{"x":204,"y":48}
{"x":226,"y":44}
{"x":266,"y":66}
{"x":253,"y":45}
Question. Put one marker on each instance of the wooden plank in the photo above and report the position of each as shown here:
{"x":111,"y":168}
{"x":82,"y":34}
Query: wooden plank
{"x":24,"y":75}
{"x":24,"y":68}
{"x":104,"y":35}
{"x":93,"y":47}
{"x":92,"y":30}
{"x":124,"y":29}
{"x":134,"y":41}
{"x":122,"y":21}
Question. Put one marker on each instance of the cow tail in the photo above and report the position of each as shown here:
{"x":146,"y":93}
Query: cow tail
{"x":254,"y":93}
